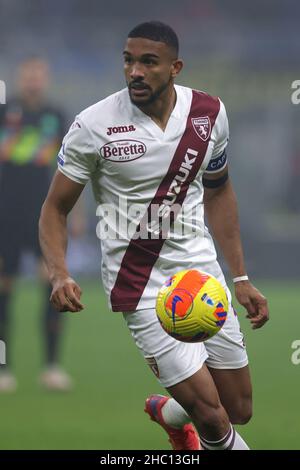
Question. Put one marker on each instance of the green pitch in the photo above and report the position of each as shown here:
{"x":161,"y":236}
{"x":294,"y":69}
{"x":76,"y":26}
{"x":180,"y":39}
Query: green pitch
{"x":105,"y":410}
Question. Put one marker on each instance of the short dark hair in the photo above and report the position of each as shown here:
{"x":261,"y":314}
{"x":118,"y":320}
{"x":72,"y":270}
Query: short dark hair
{"x":156,"y":31}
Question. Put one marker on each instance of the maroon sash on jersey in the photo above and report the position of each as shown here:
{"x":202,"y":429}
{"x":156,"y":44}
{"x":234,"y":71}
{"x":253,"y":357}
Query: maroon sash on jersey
{"x":141,"y":254}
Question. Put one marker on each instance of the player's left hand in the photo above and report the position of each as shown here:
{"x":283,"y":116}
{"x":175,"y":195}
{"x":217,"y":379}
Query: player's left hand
{"x":254,"y":302}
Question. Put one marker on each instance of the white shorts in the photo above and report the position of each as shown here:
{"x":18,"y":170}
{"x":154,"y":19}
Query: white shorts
{"x":173,"y":361}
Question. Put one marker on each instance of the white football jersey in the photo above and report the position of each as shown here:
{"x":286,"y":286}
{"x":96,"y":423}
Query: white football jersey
{"x":148,"y":187}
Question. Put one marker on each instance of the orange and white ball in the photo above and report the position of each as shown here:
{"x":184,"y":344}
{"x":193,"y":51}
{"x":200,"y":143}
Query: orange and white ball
{"x":192,"y":306}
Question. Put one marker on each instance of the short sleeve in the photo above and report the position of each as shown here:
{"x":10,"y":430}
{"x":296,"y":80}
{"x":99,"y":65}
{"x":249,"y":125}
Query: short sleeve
{"x":78,"y":156}
{"x":218,"y":159}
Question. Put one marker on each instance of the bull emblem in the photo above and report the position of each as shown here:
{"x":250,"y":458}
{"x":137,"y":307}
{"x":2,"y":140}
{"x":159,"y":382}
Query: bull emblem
{"x":202,"y":127}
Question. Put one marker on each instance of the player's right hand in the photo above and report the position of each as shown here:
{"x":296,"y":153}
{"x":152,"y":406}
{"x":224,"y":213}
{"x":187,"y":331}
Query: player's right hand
{"x":65,"y":296}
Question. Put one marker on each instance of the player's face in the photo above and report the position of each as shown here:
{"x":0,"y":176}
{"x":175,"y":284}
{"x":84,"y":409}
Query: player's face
{"x":150,"y":67}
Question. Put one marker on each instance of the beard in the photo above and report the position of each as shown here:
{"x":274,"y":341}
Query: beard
{"x":152,"y":95}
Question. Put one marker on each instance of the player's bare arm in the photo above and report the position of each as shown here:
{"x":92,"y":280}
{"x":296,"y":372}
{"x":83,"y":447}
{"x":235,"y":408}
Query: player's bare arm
{"x":222,"y":215}
{"x":61,"y":198}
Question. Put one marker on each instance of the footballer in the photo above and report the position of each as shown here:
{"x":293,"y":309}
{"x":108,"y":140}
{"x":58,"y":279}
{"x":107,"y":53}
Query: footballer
{"x":162,"y":146}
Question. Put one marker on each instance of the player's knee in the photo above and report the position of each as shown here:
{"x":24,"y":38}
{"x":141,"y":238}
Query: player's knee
{"x":242,"y":412}
{"x":211,"y":418}
{"x":215,"y":420}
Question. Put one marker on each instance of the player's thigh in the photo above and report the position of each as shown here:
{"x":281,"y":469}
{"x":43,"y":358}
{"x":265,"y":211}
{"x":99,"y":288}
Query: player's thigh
{"x":180,"y":368}
{"x":235,"y":391}
{"x":171,"y":361}
{"x":227,"y":349}
{"x":228,"y":363}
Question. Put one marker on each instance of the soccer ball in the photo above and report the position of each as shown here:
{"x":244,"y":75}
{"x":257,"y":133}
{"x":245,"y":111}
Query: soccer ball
{"x":192,"y":306}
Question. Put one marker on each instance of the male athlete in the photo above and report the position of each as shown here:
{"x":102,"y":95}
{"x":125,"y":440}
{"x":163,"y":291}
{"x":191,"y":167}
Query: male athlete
{"x":162,"y":146}
{"x":30,"y":136}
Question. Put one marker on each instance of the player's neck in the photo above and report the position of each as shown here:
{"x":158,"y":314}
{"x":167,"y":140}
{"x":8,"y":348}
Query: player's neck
{"x":161,"y":110}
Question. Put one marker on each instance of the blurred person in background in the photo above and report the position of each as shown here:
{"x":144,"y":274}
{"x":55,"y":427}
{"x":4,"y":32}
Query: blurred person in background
{"x":30,"y":135}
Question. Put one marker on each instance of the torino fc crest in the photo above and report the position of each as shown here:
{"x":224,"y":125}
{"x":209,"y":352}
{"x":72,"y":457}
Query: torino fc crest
{"x":202,"y":127}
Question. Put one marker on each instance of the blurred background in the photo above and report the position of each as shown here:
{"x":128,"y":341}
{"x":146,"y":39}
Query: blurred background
{"x":248,"y":54}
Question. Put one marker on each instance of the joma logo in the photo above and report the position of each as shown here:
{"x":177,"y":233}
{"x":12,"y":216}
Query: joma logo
{"x":117,"y":130}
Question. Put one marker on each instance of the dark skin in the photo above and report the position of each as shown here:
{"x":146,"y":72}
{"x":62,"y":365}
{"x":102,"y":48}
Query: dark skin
{"x":150,"y":69}
{"x":221,"y":211}
{"x":62,"y":196}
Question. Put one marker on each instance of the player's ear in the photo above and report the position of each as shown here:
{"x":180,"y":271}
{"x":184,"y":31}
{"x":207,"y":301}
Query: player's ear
{"x":176,"y":67}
